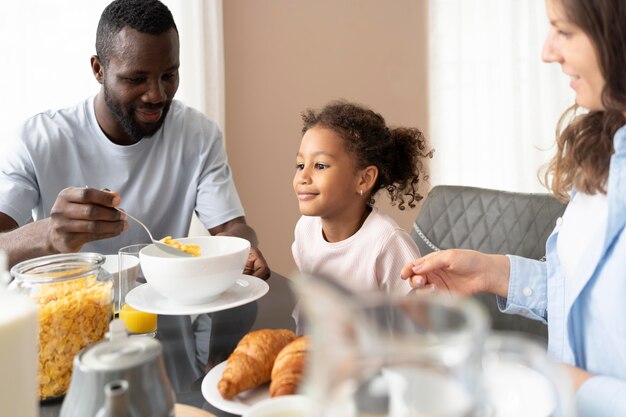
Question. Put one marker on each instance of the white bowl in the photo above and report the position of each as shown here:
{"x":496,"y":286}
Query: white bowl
{"x":131,"y":267}
{"x":284,"y":406}
{"x":196,"y":279}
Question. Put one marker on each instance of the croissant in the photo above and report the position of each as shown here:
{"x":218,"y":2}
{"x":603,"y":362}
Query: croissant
{"x":250,"y":364}
{"x":289,"y":367}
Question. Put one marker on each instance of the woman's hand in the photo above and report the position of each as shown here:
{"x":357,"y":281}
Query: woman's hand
{"x":578,"y":376}
{"x":459,"y":271}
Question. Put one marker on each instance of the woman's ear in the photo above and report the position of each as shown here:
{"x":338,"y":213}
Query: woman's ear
{"x":97,"y":68}
{"x":368,"y":178}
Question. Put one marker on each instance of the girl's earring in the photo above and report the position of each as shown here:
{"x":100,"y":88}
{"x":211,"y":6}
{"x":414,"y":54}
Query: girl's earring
{"x":361,"y":193}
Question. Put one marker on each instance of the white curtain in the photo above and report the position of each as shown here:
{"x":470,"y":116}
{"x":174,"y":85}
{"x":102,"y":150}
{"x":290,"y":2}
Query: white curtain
{"x":201,"y":32}
{"x":494,"y":104}
{"x":46,"y":46}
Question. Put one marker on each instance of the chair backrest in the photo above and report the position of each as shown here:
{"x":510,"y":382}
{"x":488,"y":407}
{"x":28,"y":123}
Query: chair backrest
{"x":489,"y":221}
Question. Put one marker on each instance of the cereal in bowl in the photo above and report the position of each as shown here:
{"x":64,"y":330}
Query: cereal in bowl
{"x":189,"y":248}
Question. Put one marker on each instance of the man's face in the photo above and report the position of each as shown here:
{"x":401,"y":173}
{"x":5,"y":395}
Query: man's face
{"x":139,"y":82}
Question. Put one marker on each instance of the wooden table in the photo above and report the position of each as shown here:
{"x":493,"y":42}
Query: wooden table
{"x":182,"y":410}
{"x":180,"y":342}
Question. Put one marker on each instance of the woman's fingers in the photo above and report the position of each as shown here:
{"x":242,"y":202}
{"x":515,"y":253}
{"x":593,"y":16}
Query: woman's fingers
{"x":417,"y":281}
{"x":419,"y":268}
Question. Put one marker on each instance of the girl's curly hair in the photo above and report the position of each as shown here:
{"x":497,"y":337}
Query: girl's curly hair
{"x":398,"y":153}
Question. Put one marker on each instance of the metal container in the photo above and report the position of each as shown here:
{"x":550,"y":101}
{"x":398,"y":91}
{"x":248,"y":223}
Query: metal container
{"x":74,"y":297}
{"x":133,"y":363}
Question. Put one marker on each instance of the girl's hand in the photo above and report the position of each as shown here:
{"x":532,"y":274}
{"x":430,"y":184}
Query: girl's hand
{"x":464,"y":272}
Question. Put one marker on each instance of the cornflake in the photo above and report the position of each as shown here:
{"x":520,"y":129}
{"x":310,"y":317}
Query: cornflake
{"x":190,"y":248}
{"x":72,"y":315}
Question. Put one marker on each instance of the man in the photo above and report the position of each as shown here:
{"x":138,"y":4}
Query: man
{"x":162,"y":159}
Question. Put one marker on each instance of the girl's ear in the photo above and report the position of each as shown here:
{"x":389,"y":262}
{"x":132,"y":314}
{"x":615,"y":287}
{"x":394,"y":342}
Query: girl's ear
{"x":368,"y":178}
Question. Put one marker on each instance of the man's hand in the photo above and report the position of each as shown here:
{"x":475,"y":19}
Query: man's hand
{"x":82,"y":215}
{"x":256,"y":264}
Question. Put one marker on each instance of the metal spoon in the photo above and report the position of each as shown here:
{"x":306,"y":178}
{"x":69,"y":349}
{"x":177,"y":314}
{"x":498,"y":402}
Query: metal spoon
{"x":165,"y":248}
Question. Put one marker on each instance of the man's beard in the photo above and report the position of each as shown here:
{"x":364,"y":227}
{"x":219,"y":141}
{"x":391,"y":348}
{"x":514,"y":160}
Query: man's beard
{"x":124,"y":116}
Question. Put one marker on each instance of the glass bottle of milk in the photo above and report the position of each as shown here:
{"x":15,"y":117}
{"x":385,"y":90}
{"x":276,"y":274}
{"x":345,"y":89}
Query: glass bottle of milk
{"x":18,"y":350}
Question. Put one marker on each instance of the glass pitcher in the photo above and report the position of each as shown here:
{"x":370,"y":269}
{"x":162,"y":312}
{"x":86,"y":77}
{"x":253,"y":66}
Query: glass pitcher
{"x":521,"y":380}
{"x":374,"y":354}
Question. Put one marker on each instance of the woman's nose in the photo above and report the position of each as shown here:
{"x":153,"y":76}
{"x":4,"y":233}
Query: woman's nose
{"x":549,"y":52}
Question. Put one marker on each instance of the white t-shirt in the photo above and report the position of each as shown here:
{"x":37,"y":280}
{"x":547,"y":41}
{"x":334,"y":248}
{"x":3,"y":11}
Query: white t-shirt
{"x":581,"y":236}
{"x":161,"y":179}
{"x":371,"y":259}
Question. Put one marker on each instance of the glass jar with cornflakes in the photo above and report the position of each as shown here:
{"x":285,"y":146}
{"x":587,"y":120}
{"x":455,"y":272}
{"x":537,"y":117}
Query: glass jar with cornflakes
{"x":75,"y":301}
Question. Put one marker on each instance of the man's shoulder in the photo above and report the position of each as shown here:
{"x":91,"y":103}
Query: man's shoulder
{"x":183,"y":118}
{"x":46,"y":129}
{"x":182,"y":111}
{"x":76,"y":114}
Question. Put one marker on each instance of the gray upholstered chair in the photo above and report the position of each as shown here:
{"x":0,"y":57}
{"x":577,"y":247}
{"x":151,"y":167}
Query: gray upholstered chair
{"x":489,"y":221}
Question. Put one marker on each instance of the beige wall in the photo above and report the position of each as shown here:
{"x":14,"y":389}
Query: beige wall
{"x":283,"y":56}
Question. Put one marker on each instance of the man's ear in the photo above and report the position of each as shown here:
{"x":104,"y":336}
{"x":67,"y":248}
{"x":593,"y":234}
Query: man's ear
{"x":97,"y":68}
{"x":369,"y":175}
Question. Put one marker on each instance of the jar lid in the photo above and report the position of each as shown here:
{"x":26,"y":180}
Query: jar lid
{"x":60,"y":267}
{"x":120,"y":354}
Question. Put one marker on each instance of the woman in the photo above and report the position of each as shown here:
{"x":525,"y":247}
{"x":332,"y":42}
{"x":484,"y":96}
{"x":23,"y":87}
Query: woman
{"x":580,"y":291}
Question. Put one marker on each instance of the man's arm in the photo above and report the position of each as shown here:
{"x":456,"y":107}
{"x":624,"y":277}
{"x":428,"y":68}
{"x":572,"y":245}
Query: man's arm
{"x":256,"y":264}
{"x":22,"y":243}
{"x":78,"y":216}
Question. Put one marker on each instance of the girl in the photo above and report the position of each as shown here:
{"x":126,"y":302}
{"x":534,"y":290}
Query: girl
{"x":347,"y":154}
{"x":580,"y":290}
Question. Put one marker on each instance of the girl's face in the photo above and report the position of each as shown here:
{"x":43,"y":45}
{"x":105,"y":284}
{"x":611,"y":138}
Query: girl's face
{"x":326,"y":180}
{"x":568,"y":45}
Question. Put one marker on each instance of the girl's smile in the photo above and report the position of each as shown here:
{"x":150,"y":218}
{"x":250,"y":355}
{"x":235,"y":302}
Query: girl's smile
{"x":306,"y":196}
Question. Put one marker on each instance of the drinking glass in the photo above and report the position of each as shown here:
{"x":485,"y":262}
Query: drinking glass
{"x":130,"y":276}
{"x":520,"y":380}
{"x":375,"y":354}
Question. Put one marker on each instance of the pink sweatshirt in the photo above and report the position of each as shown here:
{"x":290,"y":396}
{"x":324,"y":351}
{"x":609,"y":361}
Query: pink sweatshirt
{"x":371,"y":259}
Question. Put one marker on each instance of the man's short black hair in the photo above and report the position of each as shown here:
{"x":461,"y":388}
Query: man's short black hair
{"x":145,"y":16}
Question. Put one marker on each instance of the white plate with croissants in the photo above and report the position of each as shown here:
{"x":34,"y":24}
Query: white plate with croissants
{"x":266,"y":363}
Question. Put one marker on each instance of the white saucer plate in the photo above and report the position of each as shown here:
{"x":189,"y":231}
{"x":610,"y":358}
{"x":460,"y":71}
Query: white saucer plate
{"x":240,"y":403}
{"x":245,"y":290}
{"x":283,"y":405}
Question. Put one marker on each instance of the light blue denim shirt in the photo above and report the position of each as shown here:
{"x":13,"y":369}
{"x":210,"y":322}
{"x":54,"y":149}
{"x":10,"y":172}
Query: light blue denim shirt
{"x":588,"y":330}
